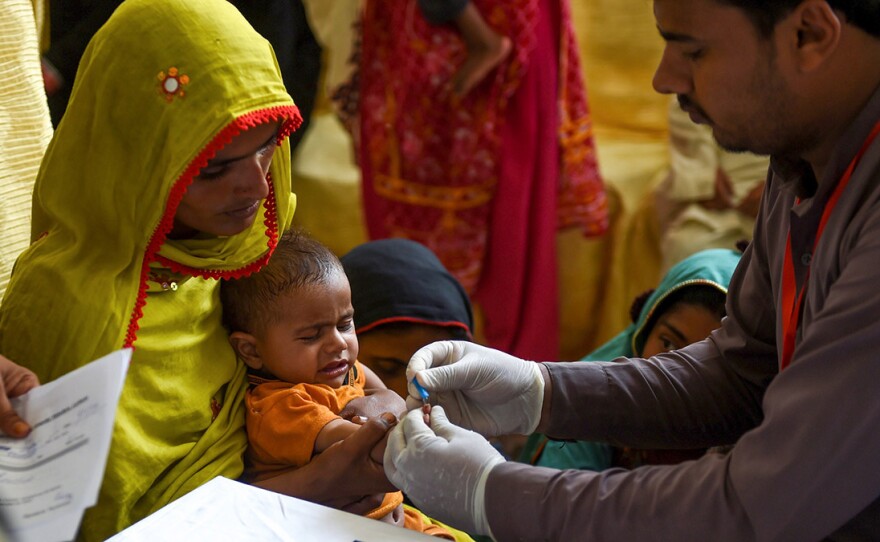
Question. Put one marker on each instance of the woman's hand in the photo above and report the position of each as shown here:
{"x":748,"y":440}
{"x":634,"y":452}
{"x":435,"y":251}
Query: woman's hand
{"x":15,"y":380}
{"x":343,"y":474}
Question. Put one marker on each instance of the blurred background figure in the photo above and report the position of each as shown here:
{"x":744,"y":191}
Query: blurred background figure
{"x":72,"y":24}
{"x":25,"y":128}
{"x":487,"y":179}
{"x":710,"y":198}
{"x":285,"y":25}
{"x":282,"y":22}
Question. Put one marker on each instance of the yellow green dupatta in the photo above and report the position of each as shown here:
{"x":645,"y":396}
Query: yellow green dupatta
{"x":162,"y":86}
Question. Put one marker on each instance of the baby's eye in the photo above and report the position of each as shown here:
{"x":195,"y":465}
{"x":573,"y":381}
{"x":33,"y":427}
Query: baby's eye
{"x":347,"y":325}
{"x":312,"y":337}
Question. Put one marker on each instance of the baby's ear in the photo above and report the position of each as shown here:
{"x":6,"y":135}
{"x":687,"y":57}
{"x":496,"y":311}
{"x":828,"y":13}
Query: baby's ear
{"x":245,"y":346}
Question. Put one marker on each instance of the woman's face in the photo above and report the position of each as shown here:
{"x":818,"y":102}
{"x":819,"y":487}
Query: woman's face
{"x":679,"y":326}
{"x":225,"y":198}
{"x":387,"y":352}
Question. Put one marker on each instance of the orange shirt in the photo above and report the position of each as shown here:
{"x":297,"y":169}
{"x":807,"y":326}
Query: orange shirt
{"x":284,"y":419}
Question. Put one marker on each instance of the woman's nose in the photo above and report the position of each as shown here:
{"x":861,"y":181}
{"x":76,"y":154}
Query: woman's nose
{"x":253,"y":178}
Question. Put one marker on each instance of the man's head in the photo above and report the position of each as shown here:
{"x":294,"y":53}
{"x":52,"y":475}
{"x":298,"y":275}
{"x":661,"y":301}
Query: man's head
{"x":770,"y":77}
{"x":864,"y":14}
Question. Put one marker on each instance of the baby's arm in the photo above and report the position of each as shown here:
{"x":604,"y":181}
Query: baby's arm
{"x":374,"y":403}
{"x":333,"y":432}
{"x":340,"y":429}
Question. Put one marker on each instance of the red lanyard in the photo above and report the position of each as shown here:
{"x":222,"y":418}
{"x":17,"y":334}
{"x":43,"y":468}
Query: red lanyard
{"x":791,"y":307}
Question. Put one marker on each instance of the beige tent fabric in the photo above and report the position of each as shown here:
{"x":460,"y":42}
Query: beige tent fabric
{"x":620,"y":48}
{"x":326,"y":178}
{"x":25,"y":128}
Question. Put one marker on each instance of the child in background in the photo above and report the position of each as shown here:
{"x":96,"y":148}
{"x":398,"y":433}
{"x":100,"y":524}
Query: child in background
{"x":292,"y":324}
{"x":403,"y":299}
{"x":686,"y":307}
{"x":486,"y":48}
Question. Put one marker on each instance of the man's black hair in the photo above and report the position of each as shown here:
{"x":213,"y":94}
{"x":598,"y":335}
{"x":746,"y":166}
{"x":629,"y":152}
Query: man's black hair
{"x":864,"y":14}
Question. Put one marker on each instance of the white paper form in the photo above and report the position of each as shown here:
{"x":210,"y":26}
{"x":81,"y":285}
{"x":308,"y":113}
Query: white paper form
{"x":49,"y":478}
{"x":226,"y":510}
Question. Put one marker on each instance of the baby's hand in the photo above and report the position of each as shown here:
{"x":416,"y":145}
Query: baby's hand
{"x":426,"y":413}
{"x":374,"y":403}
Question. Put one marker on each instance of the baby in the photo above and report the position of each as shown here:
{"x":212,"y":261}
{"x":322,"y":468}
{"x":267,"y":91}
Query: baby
{"x":292,"y":324}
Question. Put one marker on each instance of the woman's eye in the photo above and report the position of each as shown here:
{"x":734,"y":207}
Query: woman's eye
{"x":209,"y":173}
{"x":668,"y":345}
{"x":268,"y":149}
{"x":388,"y":367}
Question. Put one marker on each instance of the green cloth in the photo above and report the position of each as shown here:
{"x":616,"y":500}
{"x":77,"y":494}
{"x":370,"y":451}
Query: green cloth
{"x":105,"y":198}
{"x":710,"y":267}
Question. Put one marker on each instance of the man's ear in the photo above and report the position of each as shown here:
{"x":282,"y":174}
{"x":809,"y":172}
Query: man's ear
{"x":818,"y":29}
{"x":245,"y":347}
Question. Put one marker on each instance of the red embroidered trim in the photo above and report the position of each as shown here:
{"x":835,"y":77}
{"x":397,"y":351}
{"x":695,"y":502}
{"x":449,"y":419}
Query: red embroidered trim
{"x":292,"y":120}
{"x":413,"y":320}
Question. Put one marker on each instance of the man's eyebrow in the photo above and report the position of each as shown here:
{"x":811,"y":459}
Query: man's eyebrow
{"x":215,"y":162}
{"x":674,"y":36}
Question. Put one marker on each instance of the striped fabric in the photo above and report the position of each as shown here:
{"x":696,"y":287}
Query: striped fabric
{"x":25,"y":128}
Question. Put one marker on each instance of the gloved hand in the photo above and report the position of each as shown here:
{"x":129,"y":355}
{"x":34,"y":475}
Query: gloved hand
{"x":442,"y":468}
{"x":482,"y":389}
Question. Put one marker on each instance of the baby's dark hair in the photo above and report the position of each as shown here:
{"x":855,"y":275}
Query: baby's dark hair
{"x":249,"y":302}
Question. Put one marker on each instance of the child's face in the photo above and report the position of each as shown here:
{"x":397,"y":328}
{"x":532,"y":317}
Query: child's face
{"x":681,"y":325}
{"x":387,"y":352}
{"x":225,"y":198}
{"x":314,"y":341}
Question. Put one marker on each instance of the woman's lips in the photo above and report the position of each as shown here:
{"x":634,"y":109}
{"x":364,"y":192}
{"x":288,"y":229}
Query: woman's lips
{"x":245,"y":212}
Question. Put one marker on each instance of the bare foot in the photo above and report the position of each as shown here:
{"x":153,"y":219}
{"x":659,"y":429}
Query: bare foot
{"x":481,"y":59}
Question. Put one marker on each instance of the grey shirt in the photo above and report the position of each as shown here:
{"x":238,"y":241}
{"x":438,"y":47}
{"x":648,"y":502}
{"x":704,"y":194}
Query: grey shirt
{"x":805,"y":466}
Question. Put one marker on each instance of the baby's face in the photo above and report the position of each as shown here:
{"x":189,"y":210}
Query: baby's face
{"x":314,"y":341}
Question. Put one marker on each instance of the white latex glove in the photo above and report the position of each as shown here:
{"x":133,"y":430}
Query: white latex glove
{"x":482,"y":389}
{"x":442,"y":468}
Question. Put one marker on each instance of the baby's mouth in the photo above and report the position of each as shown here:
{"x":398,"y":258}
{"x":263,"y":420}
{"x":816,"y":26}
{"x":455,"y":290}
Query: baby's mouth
{"x":337,"y":368}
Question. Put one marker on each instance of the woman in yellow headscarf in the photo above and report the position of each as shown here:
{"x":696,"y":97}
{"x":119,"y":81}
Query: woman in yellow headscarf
{"x":169,"y":171}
